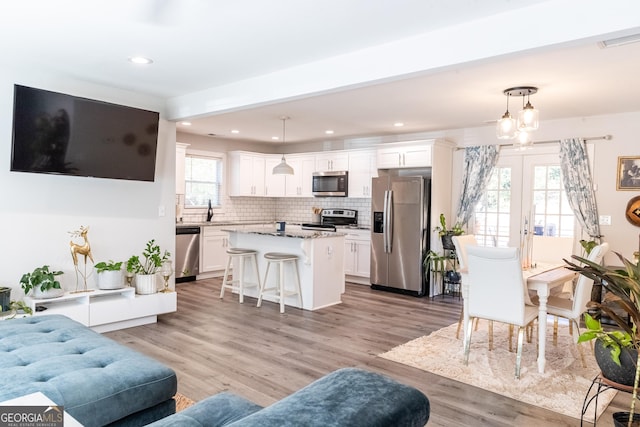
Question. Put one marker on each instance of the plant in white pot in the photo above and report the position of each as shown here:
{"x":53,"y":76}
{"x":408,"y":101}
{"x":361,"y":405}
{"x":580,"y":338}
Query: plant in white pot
{"x":146,"y":270}
{"x":109,"y":275}
{"x":42,"y":283}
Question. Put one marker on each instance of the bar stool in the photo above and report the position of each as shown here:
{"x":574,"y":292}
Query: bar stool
{"x":238,"y":283}
{"x":281,"y":260}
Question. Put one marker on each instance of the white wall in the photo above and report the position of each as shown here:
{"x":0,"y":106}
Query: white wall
{"x":37,"y":211}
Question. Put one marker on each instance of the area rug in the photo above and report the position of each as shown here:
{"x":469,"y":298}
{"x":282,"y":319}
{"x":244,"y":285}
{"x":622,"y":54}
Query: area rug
{"x":182,"y":402}
{"x":562,"y":387}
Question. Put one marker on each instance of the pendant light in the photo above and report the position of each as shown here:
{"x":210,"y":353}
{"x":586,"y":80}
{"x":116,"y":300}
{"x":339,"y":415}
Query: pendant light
{"x":283,"y":168}
{"x":507,"y":127}
{"x":528,"y":116}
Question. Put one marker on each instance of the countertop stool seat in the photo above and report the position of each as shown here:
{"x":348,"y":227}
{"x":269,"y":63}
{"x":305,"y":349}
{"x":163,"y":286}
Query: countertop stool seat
{"x":281,"y":260}
{"x":238,"y":282}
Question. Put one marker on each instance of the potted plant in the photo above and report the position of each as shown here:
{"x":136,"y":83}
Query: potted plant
{"x":623,"y":291}
{"x":145,"y":271}
{"x":42,"y":282}
{"x":446,"y":233}
{"x":109,"y":275}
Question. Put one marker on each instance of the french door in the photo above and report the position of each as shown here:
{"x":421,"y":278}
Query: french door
{"x":525,"y":193}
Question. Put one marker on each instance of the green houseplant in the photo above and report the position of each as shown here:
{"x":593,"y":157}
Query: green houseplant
{"x":623,"y":291}
{"x":109,"y":275}
{"x":145,"y":270}
{"x":42,"y":282}
{"x":446,"y":233}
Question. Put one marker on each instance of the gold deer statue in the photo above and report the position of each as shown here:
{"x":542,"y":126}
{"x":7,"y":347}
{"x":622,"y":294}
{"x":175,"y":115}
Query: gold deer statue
{"x":83,"y":249}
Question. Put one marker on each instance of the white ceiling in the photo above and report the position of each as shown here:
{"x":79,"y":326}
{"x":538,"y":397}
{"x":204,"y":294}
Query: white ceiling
{"x":204,"y":49}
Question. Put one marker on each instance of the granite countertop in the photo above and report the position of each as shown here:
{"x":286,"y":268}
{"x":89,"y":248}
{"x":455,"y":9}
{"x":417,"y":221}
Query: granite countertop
{"x":300,"y":234}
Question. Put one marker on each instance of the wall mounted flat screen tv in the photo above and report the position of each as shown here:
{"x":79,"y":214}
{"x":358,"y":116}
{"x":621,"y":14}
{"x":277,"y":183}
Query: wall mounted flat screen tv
{"x":67,"y":135}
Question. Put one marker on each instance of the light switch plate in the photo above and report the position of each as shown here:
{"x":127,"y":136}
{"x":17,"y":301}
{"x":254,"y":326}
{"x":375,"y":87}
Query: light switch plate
{"x":161,"y":211}
{"x":605,"y":220}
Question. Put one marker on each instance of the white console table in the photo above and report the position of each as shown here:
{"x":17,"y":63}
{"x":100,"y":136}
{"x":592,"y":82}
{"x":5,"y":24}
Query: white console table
{"x":107,"y":310}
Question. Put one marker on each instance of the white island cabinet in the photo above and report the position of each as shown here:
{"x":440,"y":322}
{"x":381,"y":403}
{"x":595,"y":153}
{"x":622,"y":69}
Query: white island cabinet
{"x":320,"y":263}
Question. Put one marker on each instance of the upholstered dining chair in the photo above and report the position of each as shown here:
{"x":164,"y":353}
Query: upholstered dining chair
{"x":572,"y":308}
{"x":497,"y":293}
{"x":461,"y":243}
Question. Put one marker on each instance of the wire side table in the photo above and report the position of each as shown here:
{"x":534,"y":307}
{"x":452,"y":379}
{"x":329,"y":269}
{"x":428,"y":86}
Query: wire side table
{"x":601,"y":384}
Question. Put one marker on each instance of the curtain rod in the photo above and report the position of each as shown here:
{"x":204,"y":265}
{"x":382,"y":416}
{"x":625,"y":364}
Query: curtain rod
{"x":555,"y":141}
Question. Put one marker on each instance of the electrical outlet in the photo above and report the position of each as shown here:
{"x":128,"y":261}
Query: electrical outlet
{"x":605,"y":220}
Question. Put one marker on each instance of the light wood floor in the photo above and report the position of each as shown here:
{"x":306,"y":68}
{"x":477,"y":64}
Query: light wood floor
{"x":260,"y":354}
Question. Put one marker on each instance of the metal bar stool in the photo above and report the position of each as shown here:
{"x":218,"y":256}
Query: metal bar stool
{"x":281,"y":260}
{"x":238,"y":282}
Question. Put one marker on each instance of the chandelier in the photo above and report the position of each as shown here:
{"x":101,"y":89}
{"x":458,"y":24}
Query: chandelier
{"x":527,"y":122}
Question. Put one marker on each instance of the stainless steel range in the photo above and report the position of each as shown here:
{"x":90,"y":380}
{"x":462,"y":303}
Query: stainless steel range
{"x":332,"y":218}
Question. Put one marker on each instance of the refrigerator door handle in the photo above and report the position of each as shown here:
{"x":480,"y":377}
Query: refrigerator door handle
{"x":388,"y":220}
{"x":384,"y":221}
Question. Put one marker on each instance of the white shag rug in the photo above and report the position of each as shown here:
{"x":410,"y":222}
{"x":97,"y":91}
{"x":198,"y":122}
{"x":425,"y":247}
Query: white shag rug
{"x":562,"y":387}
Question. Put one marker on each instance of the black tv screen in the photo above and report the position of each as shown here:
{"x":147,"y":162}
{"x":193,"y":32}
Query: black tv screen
{"x":63,"y":134}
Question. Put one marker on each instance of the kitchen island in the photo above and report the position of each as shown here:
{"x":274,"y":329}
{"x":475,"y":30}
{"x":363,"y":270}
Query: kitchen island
{"x":320,"y":263}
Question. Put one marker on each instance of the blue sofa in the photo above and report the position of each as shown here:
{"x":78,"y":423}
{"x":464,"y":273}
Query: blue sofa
{"x":347,"y":397}
{"x":98,"y":381}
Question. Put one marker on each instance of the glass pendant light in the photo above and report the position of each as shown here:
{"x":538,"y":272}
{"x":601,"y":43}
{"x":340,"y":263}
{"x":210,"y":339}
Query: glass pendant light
{"x":528,"y":117}
{"x":506,"y":126}
{"x":283,"y":168}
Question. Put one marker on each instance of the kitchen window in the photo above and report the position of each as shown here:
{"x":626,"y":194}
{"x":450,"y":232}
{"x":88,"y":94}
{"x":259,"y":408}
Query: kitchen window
{"x":203,"y":181}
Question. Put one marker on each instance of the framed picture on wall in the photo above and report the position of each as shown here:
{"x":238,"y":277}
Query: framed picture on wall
{"x":628,"y":173}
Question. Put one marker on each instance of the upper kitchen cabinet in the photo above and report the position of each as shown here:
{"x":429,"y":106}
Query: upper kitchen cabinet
{"x":247,"y":174}
{"x":181,"y":153}
{"x":414,"y":154}
{"x":362,"y":167}
{"x":274,"y":185}
{"x":299,"y":184}
{"x":332,"y":161}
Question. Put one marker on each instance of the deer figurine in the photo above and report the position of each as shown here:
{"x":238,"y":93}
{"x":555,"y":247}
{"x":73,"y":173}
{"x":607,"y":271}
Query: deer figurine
{"x":83,"y":249}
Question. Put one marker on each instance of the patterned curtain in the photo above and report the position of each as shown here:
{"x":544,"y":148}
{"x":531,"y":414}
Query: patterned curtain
{"x":578,"y":184}
{"x":478,"y":165}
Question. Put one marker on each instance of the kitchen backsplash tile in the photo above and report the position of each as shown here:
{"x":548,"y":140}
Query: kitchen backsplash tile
{"x":268,"y":209}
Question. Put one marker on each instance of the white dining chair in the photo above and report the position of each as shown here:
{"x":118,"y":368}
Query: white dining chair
{"x":461,"y":243}
{"x":573,"y":308}
{"x":497,"y":293}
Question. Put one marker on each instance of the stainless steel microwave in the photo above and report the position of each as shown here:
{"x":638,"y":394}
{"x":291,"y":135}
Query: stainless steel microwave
{"x":330,"y":184}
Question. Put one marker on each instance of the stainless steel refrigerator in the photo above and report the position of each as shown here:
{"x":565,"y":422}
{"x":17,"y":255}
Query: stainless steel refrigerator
{"x":400,"y":233}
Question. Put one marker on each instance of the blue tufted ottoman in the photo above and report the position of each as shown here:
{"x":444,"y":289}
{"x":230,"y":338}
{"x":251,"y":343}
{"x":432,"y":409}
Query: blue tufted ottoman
{"x":98,"y":381}
{"x":347,"y":397}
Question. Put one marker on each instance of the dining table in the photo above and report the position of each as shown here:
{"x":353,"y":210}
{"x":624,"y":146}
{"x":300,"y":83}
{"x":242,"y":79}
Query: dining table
{"x":541,"y":278}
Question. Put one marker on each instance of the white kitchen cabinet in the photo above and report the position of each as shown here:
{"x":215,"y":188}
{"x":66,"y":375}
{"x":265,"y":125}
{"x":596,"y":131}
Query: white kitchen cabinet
{"x":332,"y":161}
{"x":213,"y":244}
{"x":357,"y":255}
{"x":362,"y":168}
{"x":299,"y":184}
{"x":247,"y":174}
{"x":405,"y":155}
{"x":274,"y":185}
{"x":181,"y":153}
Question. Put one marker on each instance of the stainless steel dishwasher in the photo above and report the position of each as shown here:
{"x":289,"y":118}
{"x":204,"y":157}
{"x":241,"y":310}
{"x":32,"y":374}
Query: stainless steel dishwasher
{"x":187,"y":253}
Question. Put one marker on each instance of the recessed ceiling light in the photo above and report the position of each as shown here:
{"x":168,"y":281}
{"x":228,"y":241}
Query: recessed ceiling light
{"x":235,"y":131}
{"x":328,"y":132}
{"x":275,"y":138}
{"x":140,"y":60}
{"x":185,"y":123}
{"x":398,"y":124}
